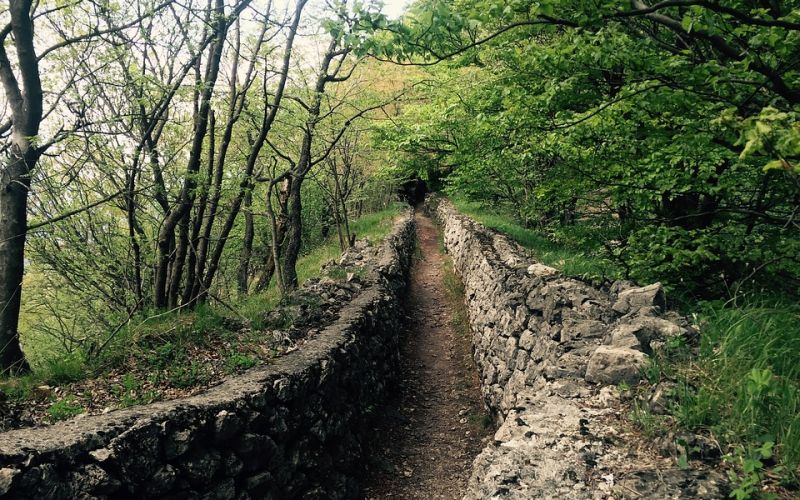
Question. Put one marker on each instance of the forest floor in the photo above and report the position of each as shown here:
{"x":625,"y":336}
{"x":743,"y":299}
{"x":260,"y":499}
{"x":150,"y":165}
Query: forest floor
{"x":180,"y":353}
{"x":429,"y":435}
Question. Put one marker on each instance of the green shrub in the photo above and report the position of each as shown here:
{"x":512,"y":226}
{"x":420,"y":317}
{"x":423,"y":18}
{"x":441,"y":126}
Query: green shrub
{"x":236,"y":362}
{"x":64,"y":409}
{"x":64,"y":370}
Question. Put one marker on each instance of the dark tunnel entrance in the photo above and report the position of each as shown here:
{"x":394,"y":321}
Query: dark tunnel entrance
{"x":413,"y":191}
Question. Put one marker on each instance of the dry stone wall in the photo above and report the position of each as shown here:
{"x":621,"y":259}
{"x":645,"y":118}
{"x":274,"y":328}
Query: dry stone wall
{"x":550,"y":351}
{"x":289,"y":430}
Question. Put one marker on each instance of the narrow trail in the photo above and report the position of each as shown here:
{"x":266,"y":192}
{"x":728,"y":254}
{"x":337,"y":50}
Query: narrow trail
{"x":429,"y":436}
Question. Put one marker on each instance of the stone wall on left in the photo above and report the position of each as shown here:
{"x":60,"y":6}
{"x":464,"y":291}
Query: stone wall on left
{"x":291,"y":429}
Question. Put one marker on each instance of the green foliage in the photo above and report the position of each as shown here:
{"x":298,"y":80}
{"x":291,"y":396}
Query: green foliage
{"x":19,"y":388}
{"x":158,"y":347}
{"x":750,"y":464}
{"x":187,"y":374}
{"x":64,"y":370}
{"x":773,"y":133}
{"x":163,"y":355}
{"x":205,"y":320}
{"x":64,"y":409}
{"x":683,"y":157}
{"x":237,"y":362}
{"x":651,"y":425}
{"x":131,"y":392}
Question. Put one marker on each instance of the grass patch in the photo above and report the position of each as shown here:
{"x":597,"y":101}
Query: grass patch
{"x":744,"y":385}
{"x":576,"y":251}
{"x":64,"y":409}
{"x":455,"y":295}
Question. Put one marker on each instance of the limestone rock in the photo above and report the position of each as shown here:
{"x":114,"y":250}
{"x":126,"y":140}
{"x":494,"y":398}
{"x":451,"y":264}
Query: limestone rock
{"x":662,"y":328}
{"x":612,"y":365}
{"x":202,"y":466}
{"x":635,"y":298}
{"x":226,"y":426}
{"x":632,"y":336}
{"x":162,"y":481}
{"x":6,"y":477}
{"x":621,"y":285}
{"x":672,"y":483}
{"x":541,"y":270}
{"x":608,"y":396}
{"x":178,"y":443}
{"x":555,"y":439}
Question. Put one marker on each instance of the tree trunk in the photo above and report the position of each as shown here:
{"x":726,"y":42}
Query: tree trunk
{"x":270,"y":112}
{"x":187,"y":196}
{"x":181,"y":249}
{"x":339,"y":227}
{"x":294,"y":236}
{"x":247,"y":245}
{"x":197,"y":224}
{"x":133,"y":234}
{"x":278,"y":234}
{"x":25,"y":104}
{"x":341,"y":200}
{"x":13,"y":222}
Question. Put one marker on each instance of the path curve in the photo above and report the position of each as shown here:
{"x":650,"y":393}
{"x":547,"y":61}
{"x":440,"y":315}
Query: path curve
{"x":428,"y":437}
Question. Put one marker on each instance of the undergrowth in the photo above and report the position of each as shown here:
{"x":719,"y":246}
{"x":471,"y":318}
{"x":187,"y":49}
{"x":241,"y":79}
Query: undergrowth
{"x":156,"y":348}
{"x":744,"y":385}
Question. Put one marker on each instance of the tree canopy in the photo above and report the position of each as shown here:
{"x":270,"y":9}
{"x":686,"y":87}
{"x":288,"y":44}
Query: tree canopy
{"x":667,"y":133}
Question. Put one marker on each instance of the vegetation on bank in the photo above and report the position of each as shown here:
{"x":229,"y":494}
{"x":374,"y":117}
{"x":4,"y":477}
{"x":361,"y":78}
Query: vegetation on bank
{"x":157,"y":356}
{"x":576,"y":250}
{"x":169,"y":155}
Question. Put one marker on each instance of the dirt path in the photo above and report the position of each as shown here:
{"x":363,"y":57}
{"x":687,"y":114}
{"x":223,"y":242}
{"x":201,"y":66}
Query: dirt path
{"x":429,"y":436}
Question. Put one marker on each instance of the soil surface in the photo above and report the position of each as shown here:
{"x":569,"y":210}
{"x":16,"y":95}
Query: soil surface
{"x":429,"y":435}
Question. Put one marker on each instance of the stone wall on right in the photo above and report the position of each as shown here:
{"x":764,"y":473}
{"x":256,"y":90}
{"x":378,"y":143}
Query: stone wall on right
{"x":551,"y":352}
